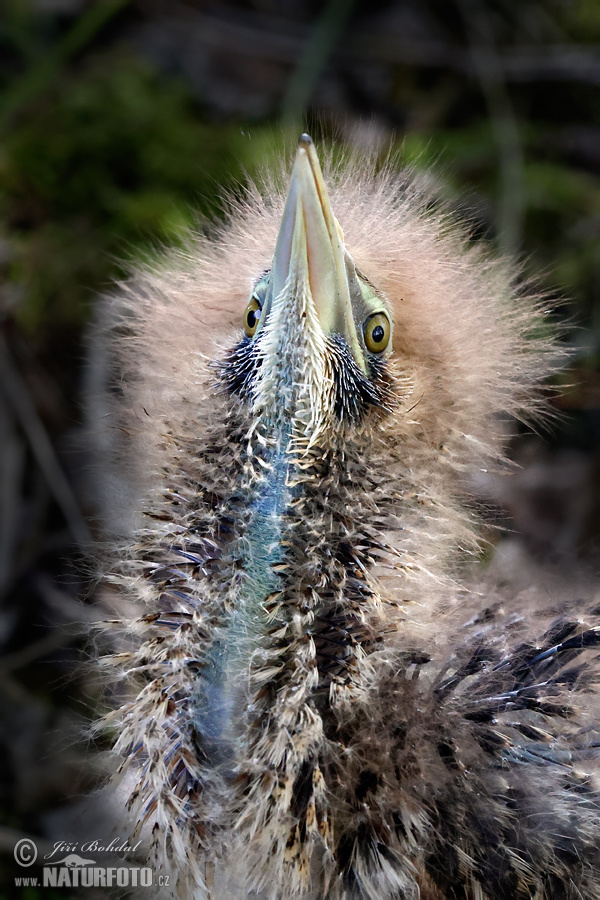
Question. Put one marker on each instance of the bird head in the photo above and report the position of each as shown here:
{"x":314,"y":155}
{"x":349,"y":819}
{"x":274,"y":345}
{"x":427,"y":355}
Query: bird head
{"x":397,"y":337}
{"x":317,"y":334}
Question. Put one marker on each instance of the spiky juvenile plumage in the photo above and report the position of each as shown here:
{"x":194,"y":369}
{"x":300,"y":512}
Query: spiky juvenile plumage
{"x":319,"y":702}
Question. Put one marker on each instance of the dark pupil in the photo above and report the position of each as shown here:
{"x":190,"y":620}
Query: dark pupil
{"x":378,"y":334}
{"x":252,"y":318}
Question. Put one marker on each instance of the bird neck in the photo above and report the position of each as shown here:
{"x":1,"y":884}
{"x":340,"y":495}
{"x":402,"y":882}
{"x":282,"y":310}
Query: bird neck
{"x":255,"y":554}
{"x":290,"y":598}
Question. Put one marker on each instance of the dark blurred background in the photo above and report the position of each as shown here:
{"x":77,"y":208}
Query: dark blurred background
{"x":120,"y":125}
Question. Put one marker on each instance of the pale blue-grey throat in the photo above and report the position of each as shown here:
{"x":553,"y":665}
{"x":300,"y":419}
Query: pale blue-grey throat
{"x":313,"y":359}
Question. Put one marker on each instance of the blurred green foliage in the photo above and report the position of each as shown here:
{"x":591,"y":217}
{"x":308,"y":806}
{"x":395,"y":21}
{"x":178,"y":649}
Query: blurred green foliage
{"x":111,"y":160}
{"x":102,"y":158}
{"x":583,"y":20}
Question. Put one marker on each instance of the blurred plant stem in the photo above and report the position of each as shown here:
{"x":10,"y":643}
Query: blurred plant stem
{"x":488,"y":68}
{"x":43,"y":72}
{"x":17,"y":395}
{"x":313,"y":59}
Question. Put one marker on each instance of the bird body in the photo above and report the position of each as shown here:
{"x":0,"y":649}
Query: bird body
{"x":322,"y":701}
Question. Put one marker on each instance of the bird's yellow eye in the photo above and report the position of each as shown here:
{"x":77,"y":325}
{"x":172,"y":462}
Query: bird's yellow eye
{"x":377,"y":331}
{"x":252,"y":317}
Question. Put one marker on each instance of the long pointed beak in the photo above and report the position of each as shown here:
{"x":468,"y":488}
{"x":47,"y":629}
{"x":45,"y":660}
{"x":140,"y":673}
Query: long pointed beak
{"x":310,"y":243}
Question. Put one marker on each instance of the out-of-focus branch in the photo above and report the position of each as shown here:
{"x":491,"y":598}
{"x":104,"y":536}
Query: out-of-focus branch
{"x":42,"y":73}
{"x":271,"y":38}
{"x":314,"y":56}
{"x":490,"y":73}
{"x":17,"y":396}
{"x":12,"y":458}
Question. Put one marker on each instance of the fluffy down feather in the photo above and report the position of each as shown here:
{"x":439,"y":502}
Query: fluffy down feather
{"x":400,"y":730}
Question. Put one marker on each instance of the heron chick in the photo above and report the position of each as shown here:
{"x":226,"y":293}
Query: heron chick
{"x":323,"y":701}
